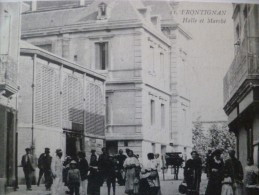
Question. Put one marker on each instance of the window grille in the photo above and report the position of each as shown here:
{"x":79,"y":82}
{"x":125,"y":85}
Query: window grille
{"x":47,"y":96}
{"x":94,"y":113}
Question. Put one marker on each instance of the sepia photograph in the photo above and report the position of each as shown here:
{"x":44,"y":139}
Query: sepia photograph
{"x":129,"y":97}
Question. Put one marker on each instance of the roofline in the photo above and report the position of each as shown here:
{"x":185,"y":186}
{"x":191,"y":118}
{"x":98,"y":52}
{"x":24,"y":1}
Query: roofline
{"x":62,"y":61}
{"x":81,"y":27}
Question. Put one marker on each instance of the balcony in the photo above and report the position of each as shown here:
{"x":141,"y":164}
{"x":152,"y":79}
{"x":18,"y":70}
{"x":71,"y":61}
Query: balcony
{"x":8,"y":76}
{"x":243,"y":72}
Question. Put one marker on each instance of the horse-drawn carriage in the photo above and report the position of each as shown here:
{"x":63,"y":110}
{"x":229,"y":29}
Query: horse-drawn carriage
{"x":175,"y":161}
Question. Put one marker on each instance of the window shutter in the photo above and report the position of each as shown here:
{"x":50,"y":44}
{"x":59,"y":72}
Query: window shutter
{"x":106,"y":56}
{"x":47,"y":96}
{"x":97,"y":57}
{"x":5,"y":34}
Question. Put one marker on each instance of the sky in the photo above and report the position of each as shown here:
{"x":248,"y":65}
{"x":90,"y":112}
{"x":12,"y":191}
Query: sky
{"x":211,"y":52}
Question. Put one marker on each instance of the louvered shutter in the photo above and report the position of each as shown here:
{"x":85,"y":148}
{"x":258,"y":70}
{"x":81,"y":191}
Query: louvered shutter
{"x":47,"y":96}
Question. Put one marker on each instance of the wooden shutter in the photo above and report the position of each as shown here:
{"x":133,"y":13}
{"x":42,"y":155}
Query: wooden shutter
{"x":47,"y":96}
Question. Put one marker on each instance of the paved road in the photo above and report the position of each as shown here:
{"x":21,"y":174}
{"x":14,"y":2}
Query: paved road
{"x":168,"y":187}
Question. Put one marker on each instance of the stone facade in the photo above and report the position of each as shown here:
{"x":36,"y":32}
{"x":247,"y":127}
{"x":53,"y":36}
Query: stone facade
{"x":241,"y":83}
{"x":147,"y":109}
{"x":9,"y":52}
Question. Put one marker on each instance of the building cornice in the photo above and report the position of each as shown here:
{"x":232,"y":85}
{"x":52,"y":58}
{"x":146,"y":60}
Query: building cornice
{"x":62,"y":61}
{"x":122,"y":82}
{"x":181,"y":29}
{"x":101,"y":26}
{"x":160,"y":90}
{"x":239,"y":95}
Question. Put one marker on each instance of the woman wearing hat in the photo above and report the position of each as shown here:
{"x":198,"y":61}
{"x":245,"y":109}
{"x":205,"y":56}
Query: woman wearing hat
{"x":94,"y":179}
{"x":215,"y":174}
{"x":192,"y":174}
{"x":131,"y":165}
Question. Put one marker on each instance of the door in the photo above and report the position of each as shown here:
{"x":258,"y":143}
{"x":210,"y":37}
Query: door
{"x":10,"y":149}
{"x":112,"y":147}
{"x":73,"y":144}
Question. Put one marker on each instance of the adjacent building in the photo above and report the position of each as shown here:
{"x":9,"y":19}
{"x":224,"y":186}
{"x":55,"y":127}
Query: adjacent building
{"x":241,"y":83}
{"x":147,"y":109}
{"x":9,"y":59}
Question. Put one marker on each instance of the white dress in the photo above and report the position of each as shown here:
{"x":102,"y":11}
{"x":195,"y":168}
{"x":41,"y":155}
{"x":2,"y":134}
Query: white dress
{"x":152,"y":166}
{"x":131,"y":183}
{"x":227,"y":186}
{"x":57,"y":168}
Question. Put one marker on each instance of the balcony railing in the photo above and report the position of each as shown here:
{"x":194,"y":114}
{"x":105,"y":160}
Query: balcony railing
{"x":246,"y":62}
{"x":8,"y":75}
{"x":244,"y":66}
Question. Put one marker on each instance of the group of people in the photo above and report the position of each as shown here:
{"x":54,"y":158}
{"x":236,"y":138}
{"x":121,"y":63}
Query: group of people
{"x":142,"y":180}
{"x":54,"y":169}
{"x":224,"y":178}
{"x":76,"y":176}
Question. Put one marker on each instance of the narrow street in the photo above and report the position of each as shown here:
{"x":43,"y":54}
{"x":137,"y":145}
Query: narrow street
{"x":168,"y":187}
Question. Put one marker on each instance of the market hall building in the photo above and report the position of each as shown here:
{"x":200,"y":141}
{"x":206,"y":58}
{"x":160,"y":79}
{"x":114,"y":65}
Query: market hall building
{"x":123,"y":41}
{"x":241,"y":91}
{"x":61,"y":105}
{"x":116,"y":39}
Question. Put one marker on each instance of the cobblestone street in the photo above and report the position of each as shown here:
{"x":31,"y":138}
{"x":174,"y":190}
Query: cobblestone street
{"x":168,"y":187}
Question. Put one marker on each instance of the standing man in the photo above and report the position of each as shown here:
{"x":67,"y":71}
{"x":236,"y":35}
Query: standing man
{"x":208,"y":161}
{"x":41,"y":165}
{"x":121,"y":158}
{"x":83,"y":168}
{"x":45,"y":161}
{"x":57,"y":169}
{"x":235,"y":169}
{"x":102,"y":164}
{"x":27,"y":167}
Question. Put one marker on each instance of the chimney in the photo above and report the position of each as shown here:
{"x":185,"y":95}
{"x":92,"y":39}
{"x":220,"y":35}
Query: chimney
{"x":33,"y":5}
{"x":145,"y":12}
{"x":156,"y":21}
{"x":82,"y":3}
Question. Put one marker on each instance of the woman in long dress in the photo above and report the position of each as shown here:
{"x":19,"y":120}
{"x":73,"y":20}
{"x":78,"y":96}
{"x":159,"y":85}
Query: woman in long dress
{"x":93,"y":187}
{"x":131,"y":165}
{"x":152,"y":177}
{"x":215,"y":174}
{"x":192,"y":174}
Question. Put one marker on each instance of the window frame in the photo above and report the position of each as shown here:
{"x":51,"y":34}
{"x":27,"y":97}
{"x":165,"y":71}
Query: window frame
{"x":152,"y":112}
{"x":100,"y":53}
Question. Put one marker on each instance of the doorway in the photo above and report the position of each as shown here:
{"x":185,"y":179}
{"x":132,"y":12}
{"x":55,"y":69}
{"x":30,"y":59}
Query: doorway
{"x":74,"y":143}
{"x":112,"y":147}
{"x":10,"y":149}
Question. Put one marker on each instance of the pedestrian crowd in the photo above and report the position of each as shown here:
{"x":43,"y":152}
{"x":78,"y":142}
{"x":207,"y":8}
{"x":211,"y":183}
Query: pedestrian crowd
{"x":224,"y":178}
{"x":77,"y":176}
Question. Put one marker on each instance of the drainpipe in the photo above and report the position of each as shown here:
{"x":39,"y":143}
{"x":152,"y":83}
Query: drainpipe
{"x":33,"y":102}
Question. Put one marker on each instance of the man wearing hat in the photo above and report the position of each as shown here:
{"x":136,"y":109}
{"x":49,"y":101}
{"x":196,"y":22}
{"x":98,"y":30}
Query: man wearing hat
{"x":41,"y":164}
{"x":57,"y":169}
{"x":44,"y":164}
{"x":27,"y":167}
{"x":236,"y":171}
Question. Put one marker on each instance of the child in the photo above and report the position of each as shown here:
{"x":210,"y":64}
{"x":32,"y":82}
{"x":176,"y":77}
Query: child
{"x":227,"y":185}
{"x":73,"y":178}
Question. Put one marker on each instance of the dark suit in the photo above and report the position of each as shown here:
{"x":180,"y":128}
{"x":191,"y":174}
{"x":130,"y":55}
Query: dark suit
{"x":46,"y":167}
{"x":27,"y":168}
